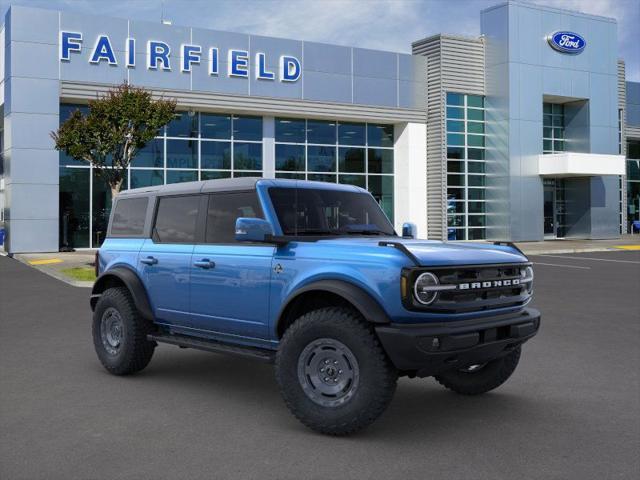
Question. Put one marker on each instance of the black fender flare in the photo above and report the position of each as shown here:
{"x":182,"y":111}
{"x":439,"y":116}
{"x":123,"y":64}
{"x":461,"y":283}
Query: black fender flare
{"x":368,"y":307}
{"x":131,"y":281}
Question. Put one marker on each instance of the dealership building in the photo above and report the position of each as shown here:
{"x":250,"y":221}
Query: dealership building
{"x":527,"y":132}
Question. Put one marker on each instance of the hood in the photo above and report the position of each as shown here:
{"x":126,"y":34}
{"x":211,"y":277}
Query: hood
{"x":436,"y":253}
{"x":444,"y":253}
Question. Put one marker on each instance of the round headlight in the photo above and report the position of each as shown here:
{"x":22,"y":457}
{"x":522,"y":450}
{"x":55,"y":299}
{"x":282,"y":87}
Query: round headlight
{"x":526,"y":275}
{"x":423,"y":288}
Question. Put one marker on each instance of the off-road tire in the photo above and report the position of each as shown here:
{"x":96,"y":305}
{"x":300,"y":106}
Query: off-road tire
{"x":487,"y":378}
{"x":134,"y":351}
{"x":377,"y":377}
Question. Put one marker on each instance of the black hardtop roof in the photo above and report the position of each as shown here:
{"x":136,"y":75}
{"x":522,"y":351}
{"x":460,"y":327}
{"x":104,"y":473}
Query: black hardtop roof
{"x":229,"y":185}
{"x":218,"y":185}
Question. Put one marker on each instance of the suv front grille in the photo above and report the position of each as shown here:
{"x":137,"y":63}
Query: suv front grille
{"x":475,"y":288}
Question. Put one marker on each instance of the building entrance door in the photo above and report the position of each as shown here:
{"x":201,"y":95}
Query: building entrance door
{"x":555,"y":208}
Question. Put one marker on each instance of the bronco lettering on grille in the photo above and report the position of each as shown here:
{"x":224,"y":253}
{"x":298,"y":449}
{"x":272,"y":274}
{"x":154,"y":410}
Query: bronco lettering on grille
{"x":489,"y":284}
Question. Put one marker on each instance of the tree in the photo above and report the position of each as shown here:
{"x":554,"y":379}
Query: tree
{"x":117,"y":126}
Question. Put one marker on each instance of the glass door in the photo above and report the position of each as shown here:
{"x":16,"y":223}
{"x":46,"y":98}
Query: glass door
{"x":555,"y":208}
{"x":560,"y":209}
{"x":549,"y":208}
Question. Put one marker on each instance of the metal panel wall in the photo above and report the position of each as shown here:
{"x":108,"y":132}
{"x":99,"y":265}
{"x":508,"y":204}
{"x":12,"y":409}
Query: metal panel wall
{"x":329,"y":73}
{"x":521,"y":70}
{"x":454,"y":64}
{"x":31,"y":173}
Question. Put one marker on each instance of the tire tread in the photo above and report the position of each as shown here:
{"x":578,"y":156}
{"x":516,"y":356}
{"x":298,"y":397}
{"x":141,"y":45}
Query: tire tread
{"x":498,"y":371}
{"x":139,"y":350}
{"x":338,"y":317}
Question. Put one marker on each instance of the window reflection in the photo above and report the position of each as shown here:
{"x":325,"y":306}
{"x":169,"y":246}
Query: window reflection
{"x":184,"y":124}
{"x":215,"y":126}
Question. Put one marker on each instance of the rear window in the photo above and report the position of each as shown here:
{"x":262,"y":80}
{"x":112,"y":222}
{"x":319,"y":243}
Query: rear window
{"x":176,"y":219}
{"x":128,"y":217}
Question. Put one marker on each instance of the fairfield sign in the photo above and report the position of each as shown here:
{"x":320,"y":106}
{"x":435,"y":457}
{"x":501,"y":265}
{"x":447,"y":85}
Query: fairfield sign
{"x":159,"y":56}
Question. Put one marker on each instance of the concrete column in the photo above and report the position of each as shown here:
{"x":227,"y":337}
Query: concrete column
{"x":31,"y":112}
{"x":410,"y":180}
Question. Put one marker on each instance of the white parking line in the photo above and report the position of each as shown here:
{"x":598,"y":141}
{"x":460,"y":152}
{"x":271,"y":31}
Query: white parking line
{"x":558,"y":265}
{"x":590,"y":258}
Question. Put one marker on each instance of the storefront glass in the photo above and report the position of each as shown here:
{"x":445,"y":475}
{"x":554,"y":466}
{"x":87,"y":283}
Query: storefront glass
{"x":466,"y":181}
{"x":351,"y":153}
{"x":193,"y":146}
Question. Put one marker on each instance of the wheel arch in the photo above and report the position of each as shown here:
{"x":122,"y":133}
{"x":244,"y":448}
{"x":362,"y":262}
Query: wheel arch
{"x":125,"y":277}
{"x":329,"y":293}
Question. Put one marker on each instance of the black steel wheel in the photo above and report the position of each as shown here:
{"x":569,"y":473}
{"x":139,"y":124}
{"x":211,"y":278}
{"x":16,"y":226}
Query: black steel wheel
{"x":328,"y":372}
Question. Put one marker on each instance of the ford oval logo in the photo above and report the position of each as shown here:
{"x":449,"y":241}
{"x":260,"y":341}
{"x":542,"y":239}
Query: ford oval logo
{"x":567,"y":42}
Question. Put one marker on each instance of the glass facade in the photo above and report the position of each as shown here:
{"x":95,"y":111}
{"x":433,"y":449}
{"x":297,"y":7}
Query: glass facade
{"x":194,"y":146}
{"x":345,"y":152}
{"x":466,"y":173}
{"x":552,"y":128}
{"x":633,"y":182}
{"x":204,"y":146}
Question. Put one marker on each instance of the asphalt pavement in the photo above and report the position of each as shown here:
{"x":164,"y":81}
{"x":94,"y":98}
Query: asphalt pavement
{"x":571,"y":410}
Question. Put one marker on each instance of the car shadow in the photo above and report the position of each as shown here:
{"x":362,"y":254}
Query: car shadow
{"x":421,"y":409}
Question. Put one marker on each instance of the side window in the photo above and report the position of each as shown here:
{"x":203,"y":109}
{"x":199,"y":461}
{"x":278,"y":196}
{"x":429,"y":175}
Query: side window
{"x":176,"y":219}
{"x":128,"y":217}
{"x":224,"y":210}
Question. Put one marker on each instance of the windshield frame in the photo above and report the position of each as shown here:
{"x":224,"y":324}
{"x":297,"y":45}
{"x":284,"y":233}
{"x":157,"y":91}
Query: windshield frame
{"x":381,"y":231}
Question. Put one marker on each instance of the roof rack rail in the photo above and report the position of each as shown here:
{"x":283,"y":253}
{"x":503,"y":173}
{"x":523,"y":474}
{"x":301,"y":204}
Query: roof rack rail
{"x":400,"y":246}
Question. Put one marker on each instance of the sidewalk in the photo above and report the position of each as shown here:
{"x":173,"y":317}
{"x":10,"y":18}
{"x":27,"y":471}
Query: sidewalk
{"x":626,"y":242}
{"x":58,"y":264}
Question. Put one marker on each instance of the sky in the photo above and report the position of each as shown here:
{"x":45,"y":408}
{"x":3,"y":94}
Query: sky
{"x":378,"y":24}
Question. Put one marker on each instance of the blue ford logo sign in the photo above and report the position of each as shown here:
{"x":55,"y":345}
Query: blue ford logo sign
{"x":567,"y":42}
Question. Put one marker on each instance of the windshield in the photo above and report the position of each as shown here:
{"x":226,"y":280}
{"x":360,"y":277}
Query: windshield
{"x":305,"y":211}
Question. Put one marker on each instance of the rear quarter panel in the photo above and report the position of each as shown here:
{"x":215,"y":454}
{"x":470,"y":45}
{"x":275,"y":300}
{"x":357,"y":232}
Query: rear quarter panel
{"x":116,"y":252}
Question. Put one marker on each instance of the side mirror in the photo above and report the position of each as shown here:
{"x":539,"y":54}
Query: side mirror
{"x":409,"y":230}
{"x":252,"y":230}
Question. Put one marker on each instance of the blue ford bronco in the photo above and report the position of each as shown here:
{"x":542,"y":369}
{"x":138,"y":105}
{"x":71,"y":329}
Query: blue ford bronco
{"x":312,"y":277}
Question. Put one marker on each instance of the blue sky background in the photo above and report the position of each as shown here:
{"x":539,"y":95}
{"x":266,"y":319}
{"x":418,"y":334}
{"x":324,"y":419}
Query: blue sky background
{"x":379,"y":24}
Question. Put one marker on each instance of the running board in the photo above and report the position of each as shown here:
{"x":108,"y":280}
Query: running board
{"x":184,"y":341}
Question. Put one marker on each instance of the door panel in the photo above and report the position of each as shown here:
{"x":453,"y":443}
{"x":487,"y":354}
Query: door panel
{"x":166,"y":278}
{"x":165,"y":259}
{"x":230,"y":281}
{"x":231,"y":295}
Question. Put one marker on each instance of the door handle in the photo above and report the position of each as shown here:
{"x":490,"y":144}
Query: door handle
{"x":204,"y":263}
{"x":149,"y":260}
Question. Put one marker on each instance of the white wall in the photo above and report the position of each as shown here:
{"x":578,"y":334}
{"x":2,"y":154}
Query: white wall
{"x":410,"y":181}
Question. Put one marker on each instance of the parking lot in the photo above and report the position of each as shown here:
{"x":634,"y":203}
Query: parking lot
{"x":571,"y":410}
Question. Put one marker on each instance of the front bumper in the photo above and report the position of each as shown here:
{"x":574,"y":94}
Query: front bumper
{"x":429,"y":349}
